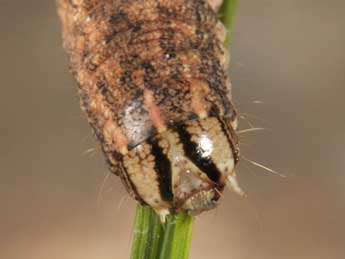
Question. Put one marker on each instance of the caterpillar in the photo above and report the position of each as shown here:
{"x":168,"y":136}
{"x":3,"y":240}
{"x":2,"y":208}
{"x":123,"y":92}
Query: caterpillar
{"x":153,"y":83}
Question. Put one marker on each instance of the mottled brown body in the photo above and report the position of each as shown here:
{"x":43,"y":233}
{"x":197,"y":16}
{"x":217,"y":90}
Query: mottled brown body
{"x":147,"y":69}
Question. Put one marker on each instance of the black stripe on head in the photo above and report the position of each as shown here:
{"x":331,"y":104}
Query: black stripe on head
{"x":193,"y":152}
{"x":163,"y":170}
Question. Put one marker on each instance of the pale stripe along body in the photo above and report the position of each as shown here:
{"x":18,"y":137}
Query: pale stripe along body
{"x":153,"y":83}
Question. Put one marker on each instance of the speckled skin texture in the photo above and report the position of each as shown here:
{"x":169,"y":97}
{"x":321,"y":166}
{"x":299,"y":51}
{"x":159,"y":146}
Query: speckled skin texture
{"x":145,"y":70}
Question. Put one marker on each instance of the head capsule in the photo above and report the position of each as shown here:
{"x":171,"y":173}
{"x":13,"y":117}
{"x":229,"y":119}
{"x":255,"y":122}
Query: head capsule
{"x":185,"y":168}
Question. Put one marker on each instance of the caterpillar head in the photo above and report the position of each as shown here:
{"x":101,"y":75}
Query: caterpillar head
{"x":185,"y":168}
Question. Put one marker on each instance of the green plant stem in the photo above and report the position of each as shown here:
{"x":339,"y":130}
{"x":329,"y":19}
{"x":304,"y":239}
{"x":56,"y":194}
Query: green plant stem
{"x":147,"y":234}
{"x":226,"y":14}
{"x":177,"y":237}
{"x":153,"y":240}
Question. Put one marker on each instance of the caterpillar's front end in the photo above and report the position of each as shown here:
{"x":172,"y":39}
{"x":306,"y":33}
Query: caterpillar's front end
{"x":153,"y":82}
{"x":186,"y":167}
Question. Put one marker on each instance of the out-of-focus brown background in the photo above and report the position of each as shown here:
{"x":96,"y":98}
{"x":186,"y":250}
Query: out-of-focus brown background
{"x":288,"y":72}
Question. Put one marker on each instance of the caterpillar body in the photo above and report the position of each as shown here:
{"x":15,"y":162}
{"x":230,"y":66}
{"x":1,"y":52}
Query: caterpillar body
{"x":153,"y":83}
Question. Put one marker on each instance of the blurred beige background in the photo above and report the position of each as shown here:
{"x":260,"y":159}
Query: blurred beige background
{"x":288,"y":72}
